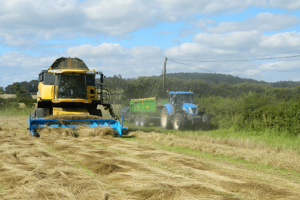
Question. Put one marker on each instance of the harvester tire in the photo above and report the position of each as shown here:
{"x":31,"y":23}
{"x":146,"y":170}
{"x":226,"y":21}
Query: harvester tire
{"x":165,"y":119}
{"x":137,"y":121}
{"x":46,"y":112}
{"x":39,"y":113}
{"x":144,"y":122}
{"x":33,"y":114}
{"x":179,"y":123}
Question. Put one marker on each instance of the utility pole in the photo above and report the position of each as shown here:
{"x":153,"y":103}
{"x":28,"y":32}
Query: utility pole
{"x":164,"y":75}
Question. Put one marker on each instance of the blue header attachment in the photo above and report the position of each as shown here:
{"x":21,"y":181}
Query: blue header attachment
{"x":34,"y":124}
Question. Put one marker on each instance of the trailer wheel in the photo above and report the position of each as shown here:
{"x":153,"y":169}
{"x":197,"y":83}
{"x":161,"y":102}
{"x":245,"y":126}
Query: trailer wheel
{"x":137,"y":121}
{"x":179,"y":123}
{"x":130,"y":119}
{"x":165,"y":120}
{"x":144,"y":121}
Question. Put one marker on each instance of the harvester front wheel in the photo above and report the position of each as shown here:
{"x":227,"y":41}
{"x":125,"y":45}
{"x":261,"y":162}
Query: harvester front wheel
{"x":33,"y":114}
{"x":137,"y":121}
{"x":144,"y":121}
{"x":179,"y":123}
{"x":165,"y":120}
{"x":41,"y":112}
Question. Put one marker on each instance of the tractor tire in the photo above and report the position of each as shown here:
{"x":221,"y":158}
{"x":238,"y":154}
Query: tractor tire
{"x":204,"y":125}
{"x":96,"y":112}
{"x":39,"y":113}
{"x":205,"y":122}
{"x":165,"y":120}
{"x":137,"y":121}
{"x":144,"y":122}
{"x":179,"y":122}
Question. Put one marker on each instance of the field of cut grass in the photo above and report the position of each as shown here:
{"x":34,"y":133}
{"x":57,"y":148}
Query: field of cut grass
{"x":252,"y":138}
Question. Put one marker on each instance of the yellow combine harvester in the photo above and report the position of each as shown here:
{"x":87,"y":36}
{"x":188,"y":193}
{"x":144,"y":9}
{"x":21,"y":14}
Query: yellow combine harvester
{"x":68,"y":87}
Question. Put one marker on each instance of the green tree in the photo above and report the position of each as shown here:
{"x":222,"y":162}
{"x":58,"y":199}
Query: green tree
{"x":23,"y":95}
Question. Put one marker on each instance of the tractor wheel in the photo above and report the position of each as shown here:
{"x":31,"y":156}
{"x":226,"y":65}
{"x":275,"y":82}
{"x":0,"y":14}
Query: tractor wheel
{"x":179,"y":123}
{"x":165,"y":120}
{"x":205,"y":122}
{"x":144,"y":121}
{"x":137,"y":121}
{"x":96,"y":112}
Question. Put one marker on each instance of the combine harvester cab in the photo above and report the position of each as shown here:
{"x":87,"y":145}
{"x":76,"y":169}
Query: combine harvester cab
{"x":68,"y":89}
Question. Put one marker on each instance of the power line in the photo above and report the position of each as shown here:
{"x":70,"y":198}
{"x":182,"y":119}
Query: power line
{"x":240,"y":60}
{"x":191,"y":65}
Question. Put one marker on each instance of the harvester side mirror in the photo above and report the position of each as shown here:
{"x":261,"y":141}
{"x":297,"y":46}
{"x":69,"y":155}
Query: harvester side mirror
{"x":101,"y":78}
{"x":41,"y":77}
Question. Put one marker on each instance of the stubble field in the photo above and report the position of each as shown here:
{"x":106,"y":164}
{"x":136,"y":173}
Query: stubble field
{"x":144,"y":165}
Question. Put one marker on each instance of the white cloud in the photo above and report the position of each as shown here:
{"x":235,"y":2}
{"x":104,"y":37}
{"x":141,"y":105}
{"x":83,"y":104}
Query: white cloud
{"x":24,"y":22}
{"x":262,"y":22}
{"x":253,"y":43}
{"x":286,"y":4}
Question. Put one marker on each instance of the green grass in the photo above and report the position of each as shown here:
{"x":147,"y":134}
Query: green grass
{"x":16,"y":111}
{"x":290,"y":174}
{"x":270,"y":138}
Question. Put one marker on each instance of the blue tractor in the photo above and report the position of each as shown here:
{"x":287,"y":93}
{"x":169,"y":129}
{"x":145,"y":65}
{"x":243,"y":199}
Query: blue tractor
{"x":182,"y":114}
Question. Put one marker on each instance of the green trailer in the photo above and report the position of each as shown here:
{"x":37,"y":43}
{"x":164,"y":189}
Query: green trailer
{"x":146,"y":111}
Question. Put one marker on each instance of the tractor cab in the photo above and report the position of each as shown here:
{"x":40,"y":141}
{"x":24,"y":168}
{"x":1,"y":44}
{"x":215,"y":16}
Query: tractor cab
{"x":183,"y":101}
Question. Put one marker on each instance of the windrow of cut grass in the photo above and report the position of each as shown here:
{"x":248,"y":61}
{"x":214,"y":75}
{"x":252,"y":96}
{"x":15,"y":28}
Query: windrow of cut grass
{"x":28,"y":170}
{"x":235,"y":148}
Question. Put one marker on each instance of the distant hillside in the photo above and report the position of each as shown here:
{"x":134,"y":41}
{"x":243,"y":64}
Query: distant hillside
{"x":217,"y":78}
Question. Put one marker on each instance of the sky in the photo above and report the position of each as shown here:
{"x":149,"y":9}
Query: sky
{"x":132,"y":37}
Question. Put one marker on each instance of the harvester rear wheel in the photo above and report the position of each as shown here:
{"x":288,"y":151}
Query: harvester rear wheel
{"x":179,"y":123}
{"x":137,"y":121}
{"x":144,"y":121}
{"x":165,"y":120}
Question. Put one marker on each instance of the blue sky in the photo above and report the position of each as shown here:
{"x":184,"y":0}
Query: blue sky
{"x":132,"y":37}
